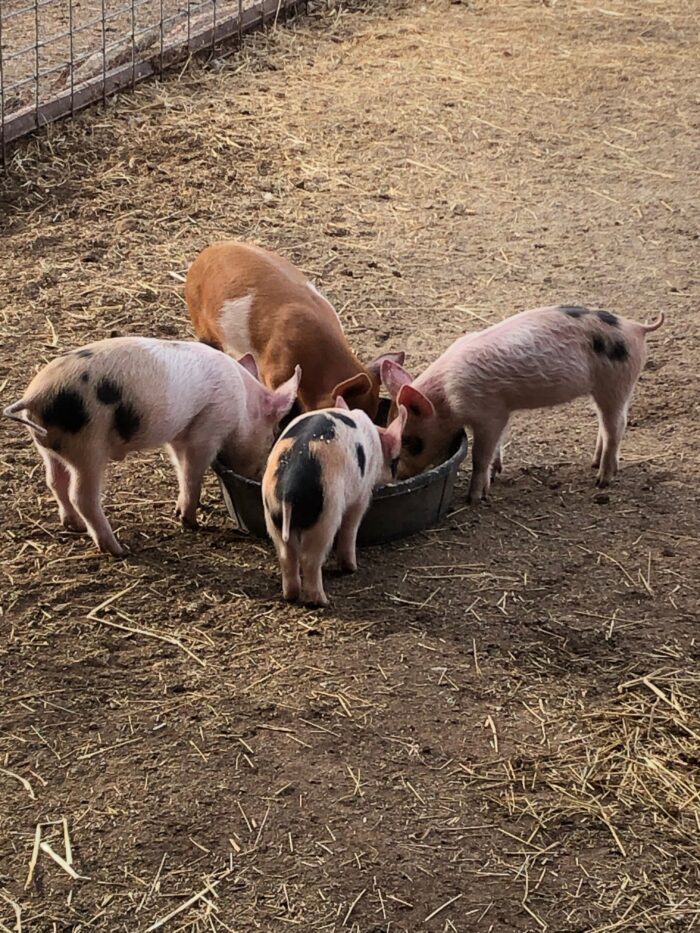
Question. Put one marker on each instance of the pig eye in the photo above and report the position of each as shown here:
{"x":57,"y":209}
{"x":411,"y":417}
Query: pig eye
{"x":413,"y":445}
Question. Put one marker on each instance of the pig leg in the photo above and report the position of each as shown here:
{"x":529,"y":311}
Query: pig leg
{"x":347,"y":537}
{"x":595,"y":463}
{"x":613,"y":420}
{"x":192,"y":460}
{"x":486,"y":450}
{"x":312,"y":574}
{"x":289,"y":562}
{"x":497,"y":463}
{"x":58,"y":481}
{"x":85,"y":494}
{"x":288,"y":557}
{"x":315,"y":544}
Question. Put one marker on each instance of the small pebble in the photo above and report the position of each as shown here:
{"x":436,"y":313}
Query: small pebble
{"x":601,"y":498}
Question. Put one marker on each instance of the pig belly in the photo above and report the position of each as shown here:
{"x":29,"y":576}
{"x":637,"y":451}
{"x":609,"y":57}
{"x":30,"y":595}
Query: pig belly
{"x":544,"y":393}
{"x":522,"y":384}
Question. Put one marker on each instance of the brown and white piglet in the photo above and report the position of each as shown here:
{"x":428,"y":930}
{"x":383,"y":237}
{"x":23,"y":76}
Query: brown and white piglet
{"x":110,"y":398}
{"x":244,"y":299}
{"x":318,"y":484}
{"x":534,"y":359}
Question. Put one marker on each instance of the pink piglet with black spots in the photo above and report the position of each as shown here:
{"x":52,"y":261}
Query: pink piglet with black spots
{"x":107,"y":399}
{"x":317,"y":487}
{"x":535,"y":359}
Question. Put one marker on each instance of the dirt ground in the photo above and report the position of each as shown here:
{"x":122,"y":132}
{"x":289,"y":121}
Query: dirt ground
{"x":495,"y":727}
{"x":35,"y":39}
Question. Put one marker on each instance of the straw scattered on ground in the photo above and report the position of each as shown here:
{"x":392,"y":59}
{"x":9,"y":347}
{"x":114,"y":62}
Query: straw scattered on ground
{"x":495,"y":726}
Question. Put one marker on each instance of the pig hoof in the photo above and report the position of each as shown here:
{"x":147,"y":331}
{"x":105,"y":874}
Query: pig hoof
{"x":316,"y":600}
{"x":601,"y":482}
{"x":346,"y":566}
{"x":74,"y":524}
{"x":187,"y":520}
{"x":291,"y":593}
{"x":116,"y":550}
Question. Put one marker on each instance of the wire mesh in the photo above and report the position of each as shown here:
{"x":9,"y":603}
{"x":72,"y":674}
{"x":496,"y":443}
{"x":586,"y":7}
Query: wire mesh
{"x":58,"y":56}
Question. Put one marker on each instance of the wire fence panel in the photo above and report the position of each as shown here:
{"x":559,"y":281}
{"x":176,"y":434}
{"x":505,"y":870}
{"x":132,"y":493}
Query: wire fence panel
{"x":57,"y":56}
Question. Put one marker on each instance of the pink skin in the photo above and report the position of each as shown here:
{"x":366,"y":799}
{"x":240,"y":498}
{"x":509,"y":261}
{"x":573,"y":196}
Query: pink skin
{"x":192,"y":400}
{"x":536,"y":359}
{"x":347,"y":495}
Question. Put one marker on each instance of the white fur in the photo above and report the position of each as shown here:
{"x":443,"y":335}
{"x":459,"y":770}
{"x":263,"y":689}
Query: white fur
{"x":234,"y":323}
{"x":187,"y":374}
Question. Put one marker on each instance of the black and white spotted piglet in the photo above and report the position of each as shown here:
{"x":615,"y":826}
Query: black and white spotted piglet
{"x":318,"y":484}
{"x":110,"y":398}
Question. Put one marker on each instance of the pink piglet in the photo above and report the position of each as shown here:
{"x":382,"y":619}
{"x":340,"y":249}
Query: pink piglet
{"x":535,"y":359}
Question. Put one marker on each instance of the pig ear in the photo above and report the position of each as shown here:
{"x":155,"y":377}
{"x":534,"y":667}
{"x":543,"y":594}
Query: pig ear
{"x":248,"y":362}
{"x":341,"y":403}
{"x":279,"y":402}
{"x":375,"y":367}
{"x":391,"y":437}
{"x":418,"y":405}
{"x":394,"y":376}
{"x":352,"y":388}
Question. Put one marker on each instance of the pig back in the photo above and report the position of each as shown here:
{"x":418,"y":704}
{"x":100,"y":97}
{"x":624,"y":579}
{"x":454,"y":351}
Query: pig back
{"x":131,"y":392}
{"x":534,"y":359}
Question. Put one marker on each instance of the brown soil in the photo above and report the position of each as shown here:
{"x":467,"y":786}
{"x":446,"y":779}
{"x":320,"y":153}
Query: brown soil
{"x":495,"y":727}
{"x":37,"y":51}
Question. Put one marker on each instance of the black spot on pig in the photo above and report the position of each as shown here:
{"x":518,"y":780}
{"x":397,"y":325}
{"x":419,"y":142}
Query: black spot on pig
{"x":317,"y":427}
{"x":127,"y":421}
{"x":598,"y":344}
{"x":85,"y":377}
{"x":345,"y":419}
{"x":573,"y":310}
{"x":617,"y":350}
{"x":65,"y":410}
{"x":299,"y":482}
{"x":413,"y":445}
{"x":361,"y":459}
{"x":108,"y":392}
{"x":85,"y":354}
{"x":299,"y":474}
{"x":607,"y":318}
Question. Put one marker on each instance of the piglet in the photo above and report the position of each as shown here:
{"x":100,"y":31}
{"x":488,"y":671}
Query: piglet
{"x":535,"y":359}
{"x":107,"y":399}
{"x":318,"y":484}
{"x":244,"y":299}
